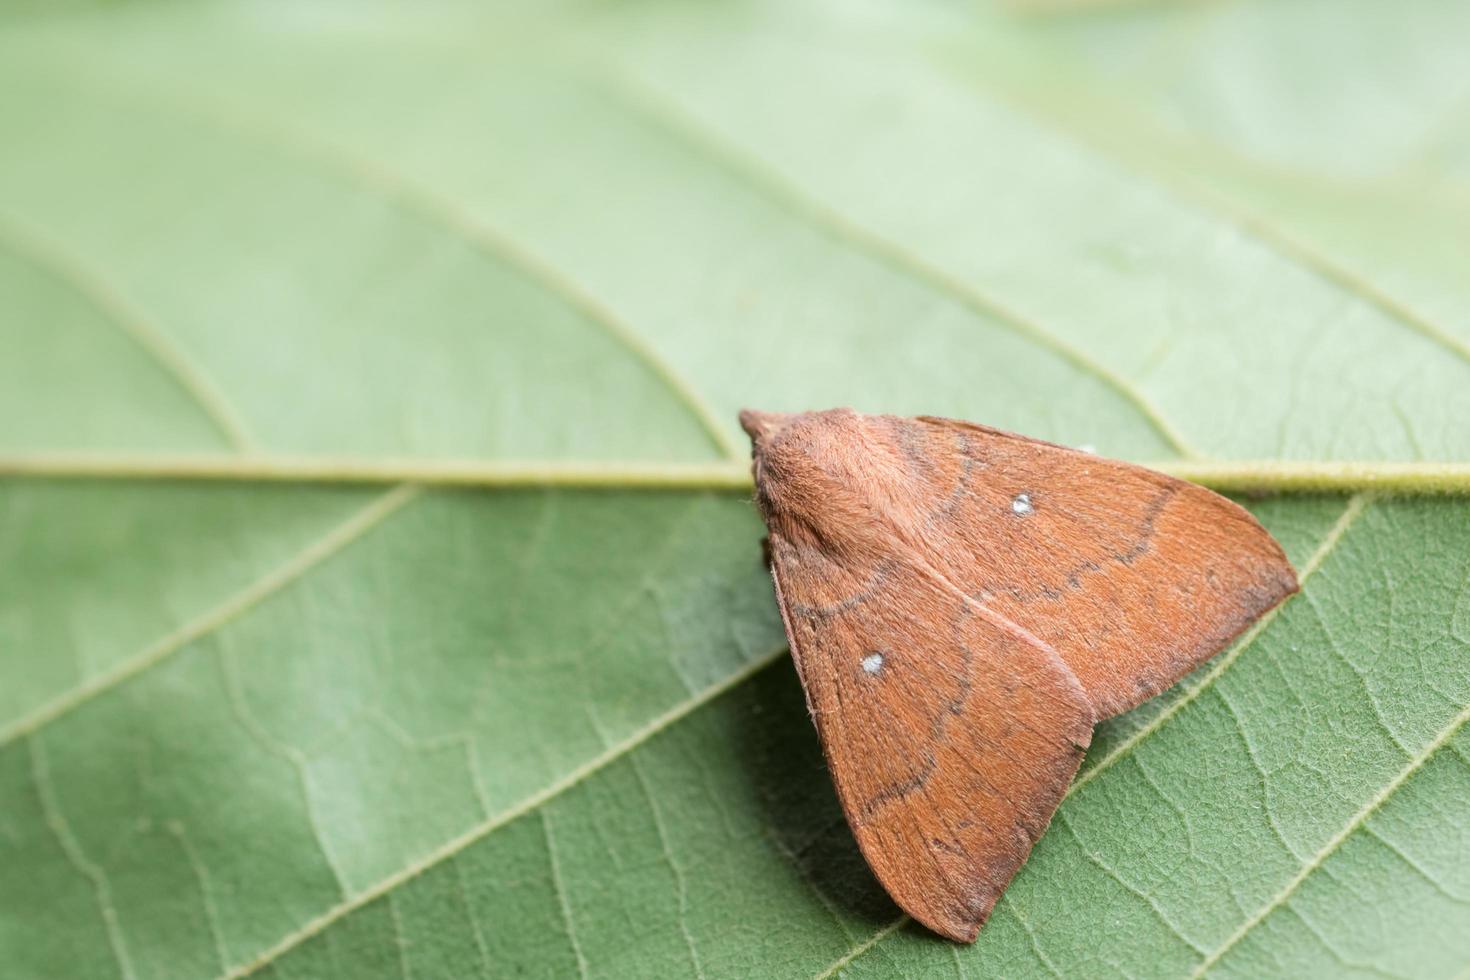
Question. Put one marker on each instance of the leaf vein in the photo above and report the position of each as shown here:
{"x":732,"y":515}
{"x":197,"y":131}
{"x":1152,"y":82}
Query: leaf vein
{"x":420,"y":200}
{"x":1247,"y":220}
{"x":71,"y":847}
{"x":252,"y":595}
{"x":568,"y":922}
{"x":1361,"y":678}
{"x":1338,"y":955}
{"x":464,"y":897}
{"x":529,"y":804}
{"x":294,"y":757}
{"x":1329,"y":542}
{"x":1127,"y":886}
{"x":1330,"y":847}
{"x":1415,"y":866}
{"x":681,"y":886}
{"x":400,"y":942}
{"x":206,"y":894}
{"x":113,"y":307}
{"x":640,"y":100}
{"x":862,"y":948}
{"x":1031,"y":936}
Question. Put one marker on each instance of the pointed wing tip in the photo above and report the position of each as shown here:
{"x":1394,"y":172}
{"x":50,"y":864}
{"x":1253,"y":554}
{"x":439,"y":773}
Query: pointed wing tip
{"x":960,"y":929}
{"x":967,"y":935}
{"x":1277,"y":579}
{"x":1292,"y":585}
{"x":1288,"y":582}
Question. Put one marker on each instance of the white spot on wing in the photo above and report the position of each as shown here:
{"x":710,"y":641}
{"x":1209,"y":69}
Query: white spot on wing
{"x":1022,"y":504}
{"x":873,"y":663}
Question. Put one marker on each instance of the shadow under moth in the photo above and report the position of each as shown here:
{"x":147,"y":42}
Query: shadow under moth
{"x":963,"y":605}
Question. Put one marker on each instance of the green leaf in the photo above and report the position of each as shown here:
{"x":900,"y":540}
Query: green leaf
{"x":293,"y":717}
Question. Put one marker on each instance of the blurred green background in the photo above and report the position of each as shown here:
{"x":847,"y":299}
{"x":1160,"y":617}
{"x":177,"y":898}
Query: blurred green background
{"x":282,"y":723}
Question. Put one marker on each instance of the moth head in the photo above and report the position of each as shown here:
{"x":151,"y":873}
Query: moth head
{"x":818,"y":472}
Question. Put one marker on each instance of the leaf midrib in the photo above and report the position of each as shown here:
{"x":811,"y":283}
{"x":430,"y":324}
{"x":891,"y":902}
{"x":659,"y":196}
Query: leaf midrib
{"x":1228,"y":476}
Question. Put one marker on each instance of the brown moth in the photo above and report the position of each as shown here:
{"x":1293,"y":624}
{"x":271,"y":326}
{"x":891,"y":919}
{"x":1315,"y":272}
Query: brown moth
{"x":963,"y":605}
